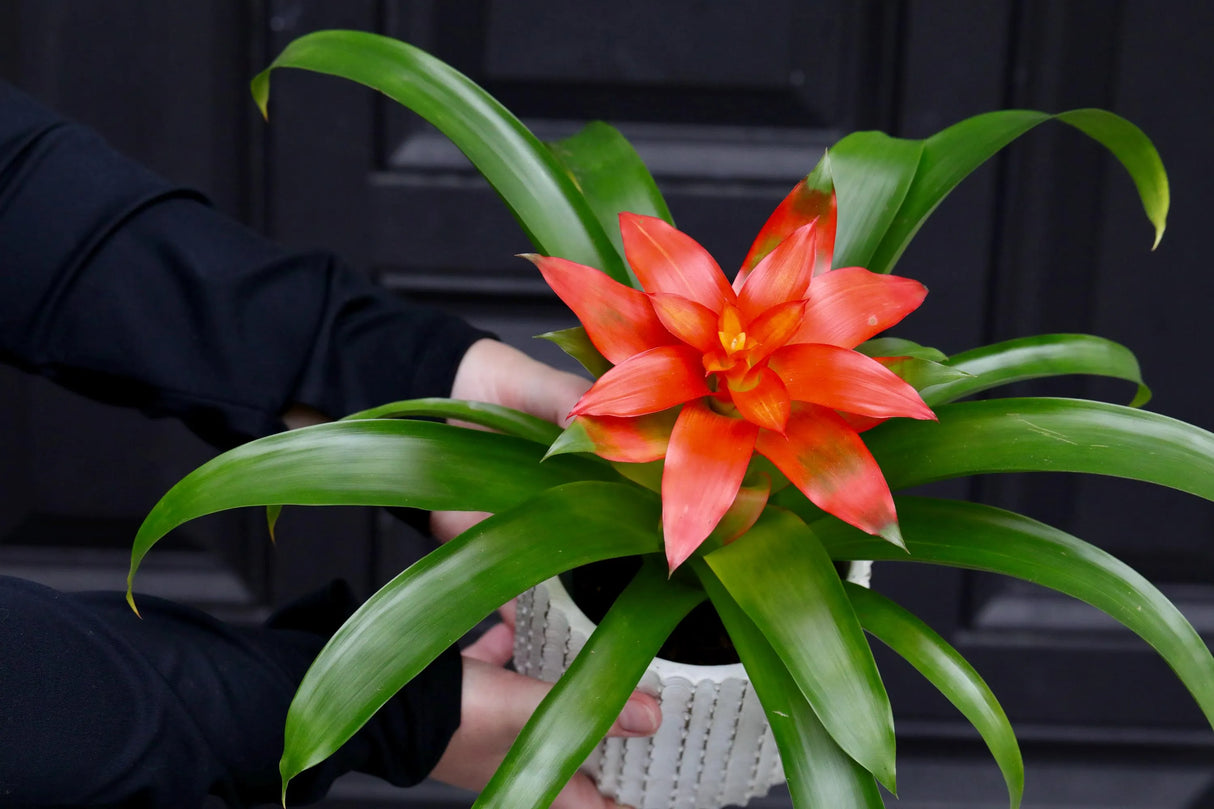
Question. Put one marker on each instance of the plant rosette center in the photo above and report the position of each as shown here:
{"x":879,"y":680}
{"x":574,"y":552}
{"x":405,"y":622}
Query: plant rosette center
{"x":706,"y":375}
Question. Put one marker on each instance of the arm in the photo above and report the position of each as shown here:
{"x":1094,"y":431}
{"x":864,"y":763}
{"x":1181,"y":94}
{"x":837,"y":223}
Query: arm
{"x":103,"y":708}
{"x":130,"y":290}
{"x":133,"y":291}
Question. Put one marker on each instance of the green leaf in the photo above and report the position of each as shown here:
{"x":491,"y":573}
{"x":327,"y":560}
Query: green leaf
{"x":923,"y":374}
{"x":589,"y":696}
{"x":899,"y":347}
{"x":869,"y":174}
{"x":1134,"y":149}
{"x":1036,"y":357}
{"x":981,"y":537}
{"x":534,"y":185}
{"x":612,"y":177}
{"x":946,"y":669}
{"x":782,"y":578}
{"x":501,"y":419}
{"x":576,"y":343}
{"x":872,"y":175}
{"x":374,"y":462}
{"x":425,"y":609}
{"x":819,"y":773}
{"x":1044,"y":435}
{"x":573,"y":439}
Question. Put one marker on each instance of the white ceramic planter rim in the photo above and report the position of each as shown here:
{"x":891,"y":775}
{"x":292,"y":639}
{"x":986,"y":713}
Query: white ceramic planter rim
{"x":859,"y":573}
{"x":734,"y":764}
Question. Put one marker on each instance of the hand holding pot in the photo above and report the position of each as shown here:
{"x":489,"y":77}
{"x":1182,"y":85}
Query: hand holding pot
{"x":497,"y":703}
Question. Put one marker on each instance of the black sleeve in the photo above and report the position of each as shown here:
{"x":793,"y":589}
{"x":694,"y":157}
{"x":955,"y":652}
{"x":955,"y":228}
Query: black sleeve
{"x":99,"y":708}
{"x":117,"y":284}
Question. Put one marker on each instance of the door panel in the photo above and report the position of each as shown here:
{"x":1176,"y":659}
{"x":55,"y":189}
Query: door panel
{"x":728,"y":104}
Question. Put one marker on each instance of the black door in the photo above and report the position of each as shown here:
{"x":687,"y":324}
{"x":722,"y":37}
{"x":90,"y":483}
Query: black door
{"x":729,"y":103}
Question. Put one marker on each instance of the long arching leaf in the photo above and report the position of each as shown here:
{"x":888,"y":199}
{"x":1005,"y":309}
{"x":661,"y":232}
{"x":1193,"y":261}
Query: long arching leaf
{"x":819,"y":772}
{"x":980,"y":537}
{"x":1036,"y":357}
{"x":946,"y":669}
{"x":373,"y":462}
{"x":405,"y":625}
{"x":782,"y":578}
{"x":1044,"y":435}
{"x":586,"y":699}
{"x":502,"y":419}
{"x":534,"y":185}
{"x":947,"y":158}
{"x":870,"y":191}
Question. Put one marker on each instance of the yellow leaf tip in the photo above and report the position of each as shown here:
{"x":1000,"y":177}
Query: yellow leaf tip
{"x":130,"y":600}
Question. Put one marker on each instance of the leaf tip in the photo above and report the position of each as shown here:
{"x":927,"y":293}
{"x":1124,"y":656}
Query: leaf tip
{"x":130,"y":600}
{"x":272,"y":513}
{"x":260,"y":88}
{"x":1159,"y":227}
{"x":887,"y":777}
{"x":892,"y":534}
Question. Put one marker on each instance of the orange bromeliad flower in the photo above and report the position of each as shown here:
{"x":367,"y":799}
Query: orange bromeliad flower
{"x":706,"y":374}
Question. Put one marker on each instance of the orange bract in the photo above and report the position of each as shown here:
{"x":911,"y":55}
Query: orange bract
{"x":764,"y":365}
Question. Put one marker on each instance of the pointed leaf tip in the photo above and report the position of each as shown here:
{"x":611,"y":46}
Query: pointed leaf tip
{"x":130,"y":599}
{"x":272,"y":514}
{"x":893,"y":535}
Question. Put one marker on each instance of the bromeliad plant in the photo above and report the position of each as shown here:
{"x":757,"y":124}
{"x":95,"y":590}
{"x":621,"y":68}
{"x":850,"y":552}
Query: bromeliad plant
{"x":741,"y":438}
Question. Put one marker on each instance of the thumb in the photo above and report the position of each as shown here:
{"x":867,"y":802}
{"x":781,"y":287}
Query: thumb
{"x":554,"y":394}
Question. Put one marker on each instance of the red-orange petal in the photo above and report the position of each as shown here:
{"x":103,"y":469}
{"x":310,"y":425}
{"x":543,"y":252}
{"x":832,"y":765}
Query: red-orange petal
{"x":745,"y":510}
{"x":783,"y":275}
{"x":636,"y":439}
{"x":619,"y":320}
{"x":762,"y":399}
{"x":825,"y":458}
{"x":849,"y":305}
{"x":803,"y":205}
{"x":860,"y":423}
{"x":705,"y":464}
{"x":667,"y":260}
{"x":775,"y":327}
{"x":691,"y":322}
{"x":842,"y":379}
{"x":655,"y":380}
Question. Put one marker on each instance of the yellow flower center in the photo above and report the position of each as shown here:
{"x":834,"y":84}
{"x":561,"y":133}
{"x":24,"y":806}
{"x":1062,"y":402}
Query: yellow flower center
{"x":732,"y":334}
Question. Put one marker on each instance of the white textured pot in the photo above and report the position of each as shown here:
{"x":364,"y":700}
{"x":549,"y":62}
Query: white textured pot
{"x":714,"y":747}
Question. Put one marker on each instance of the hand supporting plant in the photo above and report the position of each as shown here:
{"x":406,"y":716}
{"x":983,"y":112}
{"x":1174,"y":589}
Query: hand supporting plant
{"x":495,"y":706}
{"x":775,"y":585}
{"x":497,"y":374}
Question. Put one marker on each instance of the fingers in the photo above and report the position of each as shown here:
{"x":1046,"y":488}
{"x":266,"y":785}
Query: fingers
{"x":581,"y":793}
{"x":496,"y":703}
{"x":640,"y":716}
{"x":445,"y":525}
{"x":495,"y":646}
{"x":500,"y":374}
{"x":553,"y":395}
{"x":509,"y":612}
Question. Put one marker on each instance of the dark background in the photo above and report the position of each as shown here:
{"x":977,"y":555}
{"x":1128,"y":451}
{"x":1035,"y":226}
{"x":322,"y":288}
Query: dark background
{"x":729,"y":103}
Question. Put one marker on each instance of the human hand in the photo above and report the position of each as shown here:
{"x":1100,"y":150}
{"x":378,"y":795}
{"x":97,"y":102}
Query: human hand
{"x":497,"y":703}
{"x":496,"y":373}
